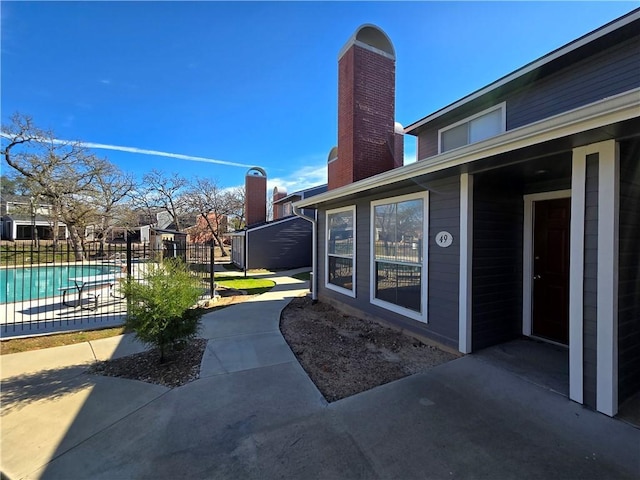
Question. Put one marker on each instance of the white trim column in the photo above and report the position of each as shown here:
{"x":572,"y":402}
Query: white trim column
{"x":607,"y":330}
{"x":466,"y":257}
{"x":576,"y":274}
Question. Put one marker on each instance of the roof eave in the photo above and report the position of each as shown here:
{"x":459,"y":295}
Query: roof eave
{"x":614,"y":109}
{"x":536,"y":64}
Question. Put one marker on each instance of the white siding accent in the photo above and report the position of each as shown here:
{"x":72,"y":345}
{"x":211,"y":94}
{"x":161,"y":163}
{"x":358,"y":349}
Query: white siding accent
{"x":466,"y":258}
{"x":607,"y":330}
{"x":576,"y":275}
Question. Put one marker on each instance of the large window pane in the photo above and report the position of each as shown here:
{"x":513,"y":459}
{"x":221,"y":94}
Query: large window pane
{"x":340,"y":249}
{"x":398,"y":235}
{"x":341,"y":272}
{"x":340,"y":233}
{"x":486,"y":126}
{"x":398,"y":240}
{"x":399,"y":284}
{"x":454,"y":137}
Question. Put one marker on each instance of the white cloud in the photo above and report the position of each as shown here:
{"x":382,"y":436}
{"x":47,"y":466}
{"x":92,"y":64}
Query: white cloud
{"x":306,"y":177}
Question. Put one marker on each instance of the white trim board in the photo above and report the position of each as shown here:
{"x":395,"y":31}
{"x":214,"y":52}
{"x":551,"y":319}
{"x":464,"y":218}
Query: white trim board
{"x":465,"y":319}
{"x":576,"y":274}
{"x":607,"y":329}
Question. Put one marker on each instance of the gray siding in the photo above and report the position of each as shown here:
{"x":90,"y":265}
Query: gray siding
{"x":285,"y":244}
{"x":442,"y":270}
{"x":609,"y":72}
{"x":497,"y":262}
{"x":629,"y":272}
{"x":599,"y":76}
{"x":590,"y":281}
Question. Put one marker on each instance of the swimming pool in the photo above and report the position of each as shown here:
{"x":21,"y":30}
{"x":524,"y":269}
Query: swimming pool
{"x":30,"y":283}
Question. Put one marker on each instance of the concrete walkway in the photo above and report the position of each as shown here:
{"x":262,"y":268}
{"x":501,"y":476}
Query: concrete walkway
{"x":254,"y":413}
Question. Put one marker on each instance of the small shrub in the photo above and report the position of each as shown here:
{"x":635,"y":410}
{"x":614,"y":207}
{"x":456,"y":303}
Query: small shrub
{"x":161,"y":308}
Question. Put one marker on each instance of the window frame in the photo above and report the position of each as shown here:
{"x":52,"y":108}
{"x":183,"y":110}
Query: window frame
{"x":421,"y":316}
{"x":327,"y":284}
{"x":503,"y":124}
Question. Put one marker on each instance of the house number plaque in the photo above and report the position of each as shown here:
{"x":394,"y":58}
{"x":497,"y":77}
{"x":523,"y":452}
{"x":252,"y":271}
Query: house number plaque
{"x":444,"y":239}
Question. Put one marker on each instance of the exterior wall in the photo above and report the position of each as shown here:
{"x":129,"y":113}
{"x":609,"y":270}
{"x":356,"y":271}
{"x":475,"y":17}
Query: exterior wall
{"x":609,"y":72}
{"x":284,"y":244}
{"x":599,"y":76}
{"x":237,"y":250}
{"x":590,"y":313}
{"x":629,"y":272}
{"x":442,"y":266}
{"x":497,"y":262}
{"x":366,"y":116}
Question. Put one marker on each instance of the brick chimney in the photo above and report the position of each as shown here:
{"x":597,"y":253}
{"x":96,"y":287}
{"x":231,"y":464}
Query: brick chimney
{"x":366,"y":108}
{"x":278,"y":210}
{"x":255,"y":196}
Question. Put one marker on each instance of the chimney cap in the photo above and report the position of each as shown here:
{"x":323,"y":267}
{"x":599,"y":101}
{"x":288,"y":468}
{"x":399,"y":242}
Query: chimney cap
{"x":398,"y":128}
{"x":256,"y":172}
{"x":371,"y":37}
{"x":333,"y":155}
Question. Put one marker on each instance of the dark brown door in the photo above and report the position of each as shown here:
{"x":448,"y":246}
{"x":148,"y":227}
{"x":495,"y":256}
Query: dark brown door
{"x":551,"y":270}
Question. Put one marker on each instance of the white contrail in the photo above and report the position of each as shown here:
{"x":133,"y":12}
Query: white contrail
{"x":163,"y":154}
{"x":143,"y":152}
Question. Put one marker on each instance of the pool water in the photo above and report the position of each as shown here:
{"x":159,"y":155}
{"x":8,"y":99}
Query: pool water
{"x":24,"y":284}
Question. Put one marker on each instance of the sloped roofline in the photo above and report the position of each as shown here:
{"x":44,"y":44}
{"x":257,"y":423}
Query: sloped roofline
{"x":536,"y":64}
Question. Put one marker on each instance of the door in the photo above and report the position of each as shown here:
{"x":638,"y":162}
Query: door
{"x":550,"y":315}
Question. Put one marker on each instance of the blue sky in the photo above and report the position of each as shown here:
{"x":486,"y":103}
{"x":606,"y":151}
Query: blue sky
{"x":253,"y":83}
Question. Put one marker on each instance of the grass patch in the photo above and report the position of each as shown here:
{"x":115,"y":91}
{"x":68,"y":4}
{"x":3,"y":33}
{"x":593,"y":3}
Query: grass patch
{"x":253,"y":286}
{"x":47,"y":341}
{"x":302,"y":276}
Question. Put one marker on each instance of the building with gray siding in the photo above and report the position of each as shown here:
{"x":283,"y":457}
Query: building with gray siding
{"x":520,"y":217}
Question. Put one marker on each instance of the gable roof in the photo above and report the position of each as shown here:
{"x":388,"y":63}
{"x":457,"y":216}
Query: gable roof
{"x":599,"y":118}
{"x":607,"y":34}
{"x":604,"y":119}
{"x":301,"y":194}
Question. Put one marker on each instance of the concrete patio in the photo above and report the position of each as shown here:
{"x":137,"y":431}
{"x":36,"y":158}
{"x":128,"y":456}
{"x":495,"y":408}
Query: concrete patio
{"x":254,"y":413}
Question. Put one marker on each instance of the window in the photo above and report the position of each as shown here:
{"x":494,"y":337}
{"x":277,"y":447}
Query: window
{"x":340,"y":268}
{"x":473,"y":129}
{"x":398,"y":254}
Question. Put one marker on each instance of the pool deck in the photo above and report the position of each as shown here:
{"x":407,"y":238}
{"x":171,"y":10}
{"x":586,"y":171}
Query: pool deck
{"x":50,"y":315}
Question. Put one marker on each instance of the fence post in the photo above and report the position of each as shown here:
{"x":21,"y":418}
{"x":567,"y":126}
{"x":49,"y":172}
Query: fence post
{"x":129,"y":256}
{"x":212,"y":267}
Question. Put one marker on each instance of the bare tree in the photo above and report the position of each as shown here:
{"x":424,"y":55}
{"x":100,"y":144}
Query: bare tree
{"x":63,"y":173}
{"x":214,"y":207}
{"x":111,"y":188}
{"x":161,"y":193}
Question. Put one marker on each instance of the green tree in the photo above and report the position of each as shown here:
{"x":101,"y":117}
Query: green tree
{"x":161,"y":308}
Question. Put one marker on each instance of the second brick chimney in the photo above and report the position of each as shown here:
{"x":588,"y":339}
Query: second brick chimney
{"x":278,"y":210}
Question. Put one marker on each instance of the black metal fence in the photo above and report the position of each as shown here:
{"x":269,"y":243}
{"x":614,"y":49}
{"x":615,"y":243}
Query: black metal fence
{"x":47,"y":288}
